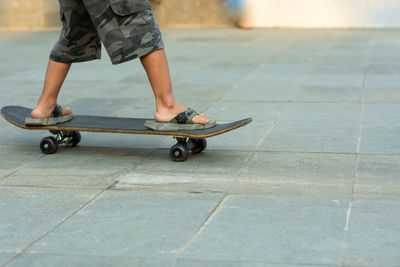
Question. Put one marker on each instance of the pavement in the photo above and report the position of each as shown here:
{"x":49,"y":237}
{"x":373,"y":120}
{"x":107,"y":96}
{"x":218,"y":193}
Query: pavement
{"x":313,"y":181}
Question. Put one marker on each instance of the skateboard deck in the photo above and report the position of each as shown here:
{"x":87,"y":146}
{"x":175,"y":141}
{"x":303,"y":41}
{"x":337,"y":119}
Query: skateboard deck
{"x":68,"y":132}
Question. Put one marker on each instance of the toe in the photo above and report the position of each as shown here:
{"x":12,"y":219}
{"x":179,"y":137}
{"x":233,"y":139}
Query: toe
{"x":66,"y":111}
{"x":200,"y":119}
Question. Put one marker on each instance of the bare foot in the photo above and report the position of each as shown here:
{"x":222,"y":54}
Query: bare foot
{"x":44,"y":112}
{"x":165,"y":115}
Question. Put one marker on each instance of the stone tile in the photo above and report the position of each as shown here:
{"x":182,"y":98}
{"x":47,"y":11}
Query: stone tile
{"x":377,"y":177}
{"x":380,"y":139}
{"x":16,"y":157}
{"x":283,"y":231}
{"x":312,"y":138}
{"x":4,"y":125}
{"x":267,"y":93}
{"x":332,"y":80}
{"x":279,"y":68}
{"x":77,"y":167}
{"x":28,"y":213}
{"x":128,"y":90}
{"x":322,"y":114}
{"x":209,"y":171}
{"x":34,"y":75}
{"x":6,"y":257}
{"x":383,"y":68}
{"x":261,"y":77}
{"x":312,"y":128}
{"x":13,"y":92}
{"x":297,"y":175}
{"x":244,"y":138}
{"x":380,"y":129}
{"x":209,"y":162}
{"x":218,"y":76}
{"x":100,"y":106}
{"x":374,"y":234}
{"x":238,"y":263}
{"x":323,"y":64}
{"x":121,"y":141}
{"x":129,"y":224}
{"x":43,"y":259}
{"x":18,"y":136}
{"x":386,"y":95}
{"x":236,"y":110}
{"x":382,"y":80}
{"x":101,"y":70}
{"x":196,"y":92}
{"x":328,"y":94}
{"x":175,"y":182}
{"x":382,"y":115}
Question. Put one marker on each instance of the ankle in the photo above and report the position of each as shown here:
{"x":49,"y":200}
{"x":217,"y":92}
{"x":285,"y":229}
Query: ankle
{"x":46,"y":104}
{"x":168,"y":103}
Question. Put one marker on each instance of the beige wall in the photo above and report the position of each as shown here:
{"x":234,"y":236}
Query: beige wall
{"x":28,"y":14}
{"x":323,"y":13}
{"x":189,"y":13}
{"x":41,"y":14}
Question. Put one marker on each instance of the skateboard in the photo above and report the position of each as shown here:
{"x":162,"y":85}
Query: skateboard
{"x":67,"y":133}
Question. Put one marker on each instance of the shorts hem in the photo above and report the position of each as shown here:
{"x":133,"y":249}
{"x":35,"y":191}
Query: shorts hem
{"x":159,"y":46}
{"x":77,"y":60}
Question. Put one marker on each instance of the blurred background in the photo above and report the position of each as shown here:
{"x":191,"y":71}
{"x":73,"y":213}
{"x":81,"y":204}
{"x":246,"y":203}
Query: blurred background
{"x":43,"y":14}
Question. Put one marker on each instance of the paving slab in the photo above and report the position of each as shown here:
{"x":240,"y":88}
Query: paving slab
{"x":5,"y":257}
{"x":321,"y":114}
{"x":267,"y":93}
{"x":235,"y":110}
{"x":380,"y":129}
{"x":284,"y":230}
{"x":77,"y":167}
{"x":312,"y":138}
{"x":246,"y":138}
{"x":377,"y":177}
{"x":132,"y":90}
{"x":128,"y":224}
{"x":382,"y":95}
{"x":33,"y":212}
{"x":101,"y":106}
{"x":16,"y":157}
{"x":209,"y":93}
{"x":381,"y":80}
{"x":373,"y":226}
{"x":312,"y":128}
{"x":306,"y":175}
{"x":260,"y":77}
{"x":41,"y":259}
{"x":211,"y":171}
{"x":328,"y":94}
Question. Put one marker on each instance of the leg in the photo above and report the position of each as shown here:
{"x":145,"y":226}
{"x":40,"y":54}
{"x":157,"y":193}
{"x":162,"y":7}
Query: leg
{"x":156,"y":66}
{"x":55,"y":76}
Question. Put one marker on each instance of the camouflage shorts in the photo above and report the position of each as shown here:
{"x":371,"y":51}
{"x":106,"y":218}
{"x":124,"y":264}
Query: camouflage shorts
{"x":127,"y":29}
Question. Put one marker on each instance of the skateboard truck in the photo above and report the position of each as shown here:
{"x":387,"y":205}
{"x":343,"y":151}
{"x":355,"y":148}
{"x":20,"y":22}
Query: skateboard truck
{"x":49,"y":145}
{"x":180,"y":151}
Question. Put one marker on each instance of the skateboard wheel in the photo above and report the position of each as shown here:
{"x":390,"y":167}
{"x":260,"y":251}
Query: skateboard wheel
{"x":198,"y":145}
{"x":49,"y":145}
{"x":179,"y":152}
{"x":75,"y":139}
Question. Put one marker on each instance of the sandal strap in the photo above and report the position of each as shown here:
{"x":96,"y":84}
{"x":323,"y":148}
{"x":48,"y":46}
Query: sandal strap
{"x":184,"y":117}
{"x":57,"y":111}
